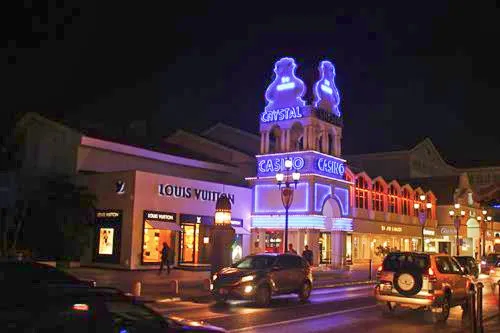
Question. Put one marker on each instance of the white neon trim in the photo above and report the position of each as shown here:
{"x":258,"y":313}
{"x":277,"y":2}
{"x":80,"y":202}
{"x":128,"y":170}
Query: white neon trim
{"x":302,"y":152}
{"x":304,"y":174}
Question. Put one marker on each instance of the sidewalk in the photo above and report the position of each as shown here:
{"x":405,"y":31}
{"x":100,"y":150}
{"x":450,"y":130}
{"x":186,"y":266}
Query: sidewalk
{"x":193,"y":285}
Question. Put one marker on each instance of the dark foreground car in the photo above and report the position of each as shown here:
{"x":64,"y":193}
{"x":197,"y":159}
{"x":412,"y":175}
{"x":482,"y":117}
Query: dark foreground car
{"x":469,"y":265}
{"x":489,"y":261}
{"x":107,"y":310}
{"x":258,"y":277}
{"x":33,"y":274}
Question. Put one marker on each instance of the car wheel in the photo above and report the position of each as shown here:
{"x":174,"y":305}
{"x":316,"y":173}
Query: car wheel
{"x":263,"y":296}
{"x":305,"y":291}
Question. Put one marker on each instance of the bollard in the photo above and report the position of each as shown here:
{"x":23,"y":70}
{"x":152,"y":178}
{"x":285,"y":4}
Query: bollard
{"x":499,"y":296}
{"x":137,"y":288}
{"x":370,"y":270}
{"x":173,"y":287}
{"x":480,"y":307}
{"x":472,"y":309}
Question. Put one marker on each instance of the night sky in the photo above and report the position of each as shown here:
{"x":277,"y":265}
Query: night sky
{"x":404,"y":72}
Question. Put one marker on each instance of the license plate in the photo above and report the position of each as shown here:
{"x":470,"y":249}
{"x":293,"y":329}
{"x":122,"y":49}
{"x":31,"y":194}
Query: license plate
{"x":222,"y":291}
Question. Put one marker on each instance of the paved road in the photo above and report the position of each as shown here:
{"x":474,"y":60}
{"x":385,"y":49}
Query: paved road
{"x":329,"y":310}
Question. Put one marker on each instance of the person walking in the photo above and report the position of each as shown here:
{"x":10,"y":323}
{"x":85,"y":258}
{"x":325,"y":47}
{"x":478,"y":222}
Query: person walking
{"x":165,"y":252}
{"x":308,"y":255}
{"x":291,"y":249}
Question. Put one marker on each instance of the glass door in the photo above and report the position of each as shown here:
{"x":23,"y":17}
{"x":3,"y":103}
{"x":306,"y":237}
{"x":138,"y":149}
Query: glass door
{"x":188,"y":243}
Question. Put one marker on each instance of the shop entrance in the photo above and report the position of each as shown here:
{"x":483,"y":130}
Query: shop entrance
{"x":274,"y":241}
{"x":194,"y":244}
{"x":325,"y":248}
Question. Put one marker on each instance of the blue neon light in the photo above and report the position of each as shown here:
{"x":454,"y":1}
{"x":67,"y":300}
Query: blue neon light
{"x":278,"y":164}
{"x":343,"y":224}
{"x":265,"y":193}
{"x":321,"y":192}
{"x":311,"y":162}
{"x":278,"y":221}
{"x":342,"y":195}
{"x":326,"y":94}
{"x":281,"y":114}
{"x":287,"y":89}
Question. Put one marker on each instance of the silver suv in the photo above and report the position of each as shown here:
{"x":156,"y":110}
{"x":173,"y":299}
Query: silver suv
{"x":434,"y":282}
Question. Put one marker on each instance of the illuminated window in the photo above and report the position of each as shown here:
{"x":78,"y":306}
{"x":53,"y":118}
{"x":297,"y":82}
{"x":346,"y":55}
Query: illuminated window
{"x":275,"y":140}
{"x":393,"y":199}
{"x":378,"y":197}
{"x":406,"y":202}
{"x":361,"y":193}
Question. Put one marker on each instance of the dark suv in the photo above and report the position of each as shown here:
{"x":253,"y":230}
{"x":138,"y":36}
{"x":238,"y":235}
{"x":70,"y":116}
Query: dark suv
{"x":258,"y":277}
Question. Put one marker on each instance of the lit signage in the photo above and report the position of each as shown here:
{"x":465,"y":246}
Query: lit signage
{"x":186,"y":192}
{"x":448,"y":230}
{"x":107,"y":214}
{"x":310,"y":162}
{"x":287,"y":89}
{"x":189,"y":218}
{"x":428,"y":232}
{"x":278,"y":164}
{"x":326,"y":95}
{"x":281,"y":114}
{"x":237,"y":222}
{"x":391,"y":228}
{"x":160,"y":216}
{"x":106,"y":241}
{"x":120,"y":187}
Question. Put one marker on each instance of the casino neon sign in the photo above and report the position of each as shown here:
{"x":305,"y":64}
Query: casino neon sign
{"x":305,"y":161}
{"x":281,"y":114}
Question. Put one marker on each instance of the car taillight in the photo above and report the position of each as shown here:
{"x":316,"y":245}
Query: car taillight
{"x":80,"y":307}
{"x":431,"y":274}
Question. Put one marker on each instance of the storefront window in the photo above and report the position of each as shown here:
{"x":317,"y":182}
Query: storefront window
{"x":325,"y":248}
{"x":378,"y":196}
{"x":355,"y":246}
{"x":159,"y":228}
{"x":348,"y":249}
{"x":108,"y":239}
{"x":361,"y":193}
{"x":273,"y":241}
{"x":393,"y":199}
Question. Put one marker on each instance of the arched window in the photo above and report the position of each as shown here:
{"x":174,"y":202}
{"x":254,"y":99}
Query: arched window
{"x":275,"y":140}
{"x":361,"y":193}
{"x":296,"y":138}
{"x":405,"y":202}
{"x":378,"y":197}
{"x":393,"y":199}
{"x":330,"y":144}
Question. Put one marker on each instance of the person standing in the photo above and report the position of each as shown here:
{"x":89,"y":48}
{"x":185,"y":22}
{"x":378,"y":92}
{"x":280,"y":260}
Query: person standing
{"x":165,"y":252}
{"x":308,"y":255}
{"x":291,"y":249}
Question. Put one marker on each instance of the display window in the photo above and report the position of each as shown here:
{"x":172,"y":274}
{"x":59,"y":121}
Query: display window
{"x":325,"y":248}
{"x":195,"y":240}
{"x":107,"y":236}
{"x":237,"y":248}
{"x":106,"y":241}
{"x":159,"y":228}
{"x":273,"y":241}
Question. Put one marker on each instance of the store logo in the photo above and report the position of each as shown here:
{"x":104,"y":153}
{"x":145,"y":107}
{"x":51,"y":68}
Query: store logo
{"x":107,"y":214}
{"x":120,"y":187}
{"x":391,"y":228}
{"x":428,"y":232}
{"x":186,"y":192}
{"x":330,"y":166}
{"x":447,"y":230}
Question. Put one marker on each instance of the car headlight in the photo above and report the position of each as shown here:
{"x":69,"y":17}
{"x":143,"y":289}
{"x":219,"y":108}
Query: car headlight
{"x":247,"y":278}
{"x":214,"y":277}
{"x":483,"y":262}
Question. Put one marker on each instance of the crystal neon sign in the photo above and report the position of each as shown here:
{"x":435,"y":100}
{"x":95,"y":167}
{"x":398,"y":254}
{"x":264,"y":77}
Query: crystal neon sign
{"x":326,"y":95}
{"x":310,"y":162}
{"x":278,"y":164}
{"x":281,"y":114}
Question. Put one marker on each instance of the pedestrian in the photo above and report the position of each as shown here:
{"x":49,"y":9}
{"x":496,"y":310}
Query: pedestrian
{"x":308,"y":255}
{"x":291,"y":249}
{"x":165,"y":252}
{"x":256,"y":248}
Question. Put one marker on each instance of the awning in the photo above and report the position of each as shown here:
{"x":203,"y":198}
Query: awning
{"x":241,"y":231}
{"x":164,"y":225}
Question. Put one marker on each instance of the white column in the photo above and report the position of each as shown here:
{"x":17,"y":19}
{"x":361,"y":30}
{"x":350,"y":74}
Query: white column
{"x":262,"y":141}
{"x":324,"y":141}
{"x":266,"y":142}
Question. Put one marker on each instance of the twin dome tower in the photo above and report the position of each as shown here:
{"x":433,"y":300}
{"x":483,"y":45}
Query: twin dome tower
{"x":287,"y":90}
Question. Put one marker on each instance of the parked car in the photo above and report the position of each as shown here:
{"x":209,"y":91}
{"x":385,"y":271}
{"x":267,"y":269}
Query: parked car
{"x":489,"y":261}
{"x":258,"y":277}
{"x":494,"y":276}
{"x":469,"y":265}
{"x":81,"y":309}
{"x":434,"y":282}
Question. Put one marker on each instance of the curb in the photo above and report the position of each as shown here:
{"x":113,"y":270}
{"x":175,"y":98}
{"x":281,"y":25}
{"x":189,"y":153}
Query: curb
{"x":345,"y":284}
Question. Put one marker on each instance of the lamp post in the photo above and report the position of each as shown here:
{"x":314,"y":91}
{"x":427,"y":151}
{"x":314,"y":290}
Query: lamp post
{"x":221,"y":235}
{"x":483,"y":220}
{"x":283,"y":180}
{"x":456,"y":214}
{"x":422,"y":215}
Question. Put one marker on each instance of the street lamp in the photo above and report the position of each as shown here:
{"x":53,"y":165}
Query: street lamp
{"x":422,"y":215}
{"x":283,"y":180}
{"x":456,"y":215}
{"x":483,"y":220}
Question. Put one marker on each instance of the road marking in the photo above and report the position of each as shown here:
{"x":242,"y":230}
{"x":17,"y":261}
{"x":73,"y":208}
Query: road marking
{"x":302,"y":319}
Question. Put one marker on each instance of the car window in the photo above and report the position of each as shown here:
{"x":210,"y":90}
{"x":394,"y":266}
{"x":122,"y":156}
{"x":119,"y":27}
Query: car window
{"x":287,"y":261}
{"x":256,"y":262}
{"x":133,"y":317}
{"x":447,"y":265}
{"x":455,"y":267}
{"x":412,"y":261}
